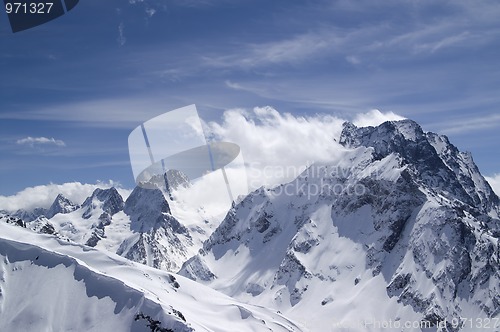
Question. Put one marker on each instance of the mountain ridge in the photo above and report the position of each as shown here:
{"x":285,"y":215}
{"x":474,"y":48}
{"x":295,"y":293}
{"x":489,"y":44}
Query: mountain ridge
{"x":424,"y":234}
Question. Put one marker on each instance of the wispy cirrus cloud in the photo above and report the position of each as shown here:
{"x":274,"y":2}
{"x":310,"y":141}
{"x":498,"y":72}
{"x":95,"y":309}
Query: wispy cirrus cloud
{"x":37,"y":141}
{"x":286,"y":51}
{"x":424,"y":33}
{"x":122,"y":112}
{"x":470,"y":124}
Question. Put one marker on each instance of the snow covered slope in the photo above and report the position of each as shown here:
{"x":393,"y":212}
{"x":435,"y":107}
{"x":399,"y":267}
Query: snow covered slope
{"x":142,"y":228}
{"x":47,"y":284}
{"x":403,"y":229}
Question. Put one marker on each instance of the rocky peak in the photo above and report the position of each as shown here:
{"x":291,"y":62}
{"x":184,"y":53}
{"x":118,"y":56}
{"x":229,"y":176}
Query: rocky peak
{"x":162,"y":240}
{"x":405,"y":137}
{"x":146,"y":208}
{"x":463,"y":166}
{"x":109,"y":200}
{"x":61,"y":205}
{"x":431,"y":158}
{"x":168,"y":182}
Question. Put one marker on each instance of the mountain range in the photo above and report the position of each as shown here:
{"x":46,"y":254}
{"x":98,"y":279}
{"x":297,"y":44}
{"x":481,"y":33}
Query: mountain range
{"x":402,"y":229}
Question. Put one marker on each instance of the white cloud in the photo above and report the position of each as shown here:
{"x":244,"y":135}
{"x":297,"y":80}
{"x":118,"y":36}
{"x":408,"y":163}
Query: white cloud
{"x":32,"y":141}
{"x":277,"y":147}
{"x":375,"y":118}
{"x":494,"y":183}
{"x":211,"y":192}
{"x":43,"y":196}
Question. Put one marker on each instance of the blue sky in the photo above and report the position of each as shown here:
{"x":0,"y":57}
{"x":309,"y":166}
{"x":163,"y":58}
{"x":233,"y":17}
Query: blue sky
{"x":73,"y":89}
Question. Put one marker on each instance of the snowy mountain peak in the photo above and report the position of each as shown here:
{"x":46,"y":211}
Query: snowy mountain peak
{"x":401,"y":224}
{"x":158,"y":239}
{"x":177,"y":179}
{"x":463,"y":166}
{"x":146,"y":208}
{"x":434,"y":161}
{"x":108,"y":200}
{"x":168,"y":182}
{"x":141,"y":229}
{"x":409,"y":129}
{"x":61,"y":205}
{"x":387,"y":138}
{"x":30,"y":215}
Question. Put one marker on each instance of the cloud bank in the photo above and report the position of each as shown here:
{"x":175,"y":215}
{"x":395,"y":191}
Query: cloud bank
{"x":43,"y":196}
{"x":277,"y":147}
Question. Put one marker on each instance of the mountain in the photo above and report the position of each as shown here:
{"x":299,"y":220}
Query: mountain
{"x":29,"y":215}
{"x":109,"y":201}
{"x":170,"y":181}
{"x":61,"y":205}
{"x":51,"y":285}
{"x":158,"y":239}
{"x":402,"y":231}
{"x":429,"y":153}
{"x":403,"y":228}
{"x":142,"y":228}
{"x":8,"y":219}
{"x":103,"y":204}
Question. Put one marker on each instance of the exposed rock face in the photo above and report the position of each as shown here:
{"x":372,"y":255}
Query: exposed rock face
{"x":61,"y":205}
{"x":109,"y":200}
{"x":158,"y":239}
